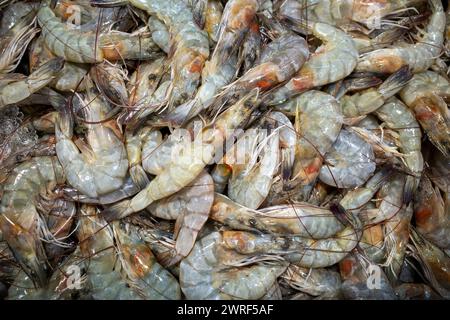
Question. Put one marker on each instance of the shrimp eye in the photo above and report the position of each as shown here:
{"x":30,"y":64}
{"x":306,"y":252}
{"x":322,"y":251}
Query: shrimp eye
{"x":252,"y":222}
{"x":152,"y":76}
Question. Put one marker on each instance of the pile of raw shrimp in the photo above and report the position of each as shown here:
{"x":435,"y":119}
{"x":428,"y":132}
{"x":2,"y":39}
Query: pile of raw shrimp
{"x":209,"y":149}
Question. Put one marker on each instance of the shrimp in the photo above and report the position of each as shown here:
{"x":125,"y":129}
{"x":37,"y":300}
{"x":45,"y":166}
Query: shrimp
{"x":399,"y":118}
{"x":87,"y":47}
{"x":391,"y":196}
{"x":143,"y":83}
{"x":19,"y":219}
{"x":337,"y":47}
{"x":434,"y":262}
{"x":355,"y":271}
{"x":250,"y":181}
{"x":278,"y":62}
{"x":419,"y":57}
{"x":304,"y":252}
{"x":324,"y":283}
{"x":318,"y":124}
{"x":396,"y":231}
{"x":141,"y":270}
{"x":15,"y":87}
{"x":190,"y":207}
{"x":133,"y":274}
{"x":349,"y":163}
{"x":207,"y":273}
{"x":368,"y":101}
{"x":102,"y":165}
{"x":191,"y":160}
{"x":424,"y":96}
{"x":191,"y":46}
{"x":213,"y":17}
{"x":133,"y":144}
{"x":355,"y":200}
{"x":222,"y":66}
{"x":431,"y":214}
{"x":14,"y":41}
{"x":300,"y":219}
{"x":342,"y":13}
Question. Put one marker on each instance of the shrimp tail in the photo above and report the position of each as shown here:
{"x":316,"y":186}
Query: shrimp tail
{"x":139,"y":176}
{"x":395,"y":82}
{"x":117,"y":211}
{"x":409,"y":189}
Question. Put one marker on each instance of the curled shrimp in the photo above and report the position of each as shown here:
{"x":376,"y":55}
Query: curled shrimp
{"x":424,"y":95}
{"x":349,"y":163}
{"x":207,"y":273}
{"x":419,"y":57}
{"x":318,"y":123}
{"x":299,"y":219}
{"x":318,"y":70}
{"x":190,"y":208}
{"x":15,"y":88}
{"x":102,"y":165}
{"x":251,"y":180}
{"x":19,"y":219}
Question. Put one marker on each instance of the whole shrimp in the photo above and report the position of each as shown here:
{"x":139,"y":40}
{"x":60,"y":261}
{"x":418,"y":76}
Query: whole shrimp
{"x":349,"y":163}
{"x":431,"y":214}
{"x":419,"y":56}
{"x":19,"y":219}
{"x":369,"y":100}
{"x":398,"y":117}
{"x":87,"y":47}
{"x":424,"y":96}
{"x":319,"y":70}
{"x":190,"y":44}
{"x":208,"y":273}
{"x":15,"y":87}
{"x":102,"y":165}
{"x":252,"y":176}
{"x":304,"y":252}
{"x":301,"y":219}
{"x":343,"y":13}
{"x":190,"y":208}
{"x":318,"y":123}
